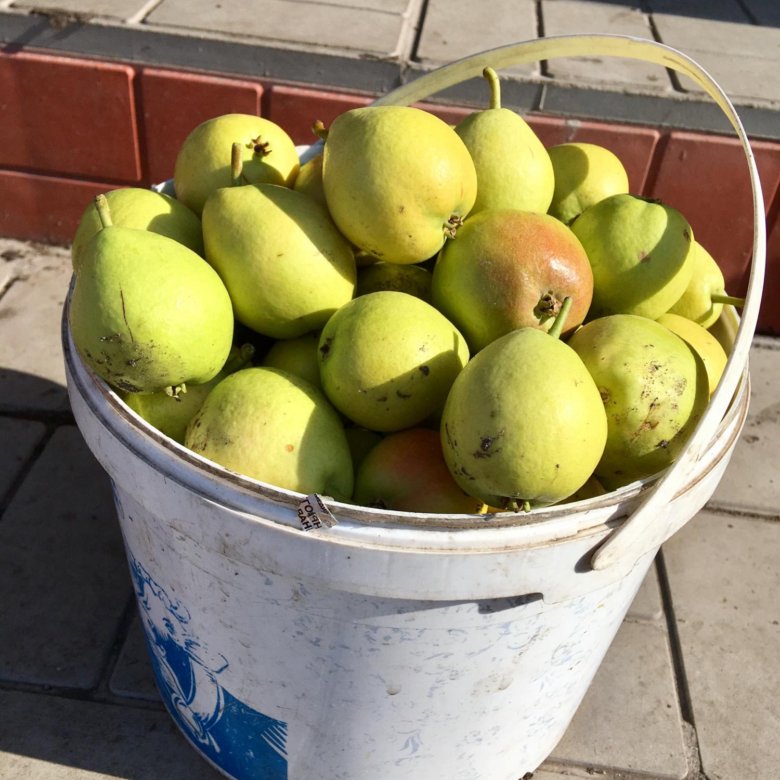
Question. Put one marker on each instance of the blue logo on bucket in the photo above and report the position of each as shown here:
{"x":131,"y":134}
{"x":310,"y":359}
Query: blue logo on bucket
{"x":241,"y":741}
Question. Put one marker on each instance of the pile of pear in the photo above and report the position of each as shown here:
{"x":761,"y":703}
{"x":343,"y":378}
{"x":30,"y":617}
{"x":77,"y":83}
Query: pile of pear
{"x":421,"y":318}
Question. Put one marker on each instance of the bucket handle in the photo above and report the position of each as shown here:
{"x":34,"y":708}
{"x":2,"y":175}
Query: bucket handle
{"x":641,"y":532}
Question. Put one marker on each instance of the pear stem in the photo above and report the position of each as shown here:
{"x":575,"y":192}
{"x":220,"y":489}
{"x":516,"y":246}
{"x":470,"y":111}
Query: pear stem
{"x":728,"y":300}
{"x":104,"y":212}
{"x":236,"y":164}
{"x":557,"y":326}
{"x":240,"y":360}
{"x":495,"y":86}
{"x":319,"y":129}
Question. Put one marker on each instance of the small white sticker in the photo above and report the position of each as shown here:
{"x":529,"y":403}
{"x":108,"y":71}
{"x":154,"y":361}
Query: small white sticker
{"x":314,"y":514}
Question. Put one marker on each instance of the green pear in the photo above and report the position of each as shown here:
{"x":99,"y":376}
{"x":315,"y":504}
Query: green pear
{"x":705,"y":294}
{"x":277,"y":428}
{"x":203,"y":163}
{"x":640,"y":252}
{"x":585,"y":173}
{"x":523,"y":425}
{"x":309,"y":180}
{"x":147,"y":313}
{"x":136,"y":207}
{"x":511,"y":269}
{"x":412,"y":279}
{"x":514,"y":170}
{"x":406,"y":472}
{"x":298,"y":356}
{"x":285,"y":264}
{"x":361,"y":441}
{"x":398,"y":181}
{"x":654,"y":390}
{"x":388,"y":359}
{"x":171,"y":414}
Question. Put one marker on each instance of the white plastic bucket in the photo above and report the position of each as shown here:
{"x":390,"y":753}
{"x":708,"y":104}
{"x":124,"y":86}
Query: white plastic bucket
{"x":390,"y":645}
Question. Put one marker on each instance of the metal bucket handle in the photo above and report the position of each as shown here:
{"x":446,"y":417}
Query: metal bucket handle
{"x":639,"y":533}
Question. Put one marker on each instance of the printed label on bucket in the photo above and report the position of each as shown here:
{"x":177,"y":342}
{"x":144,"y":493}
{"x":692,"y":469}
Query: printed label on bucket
{"x":241,"y":741}
{"x":313,"y":513}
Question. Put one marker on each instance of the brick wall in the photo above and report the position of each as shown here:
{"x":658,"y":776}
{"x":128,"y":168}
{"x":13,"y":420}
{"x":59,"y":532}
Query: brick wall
{"x":71,"y":128}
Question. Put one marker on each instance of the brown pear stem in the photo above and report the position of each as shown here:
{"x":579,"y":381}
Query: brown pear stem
{"x":236,"y":164}
{"x":319,"y":129}
{"x":560,"y":318}
{"x":104,"y":212}
{"x":240,"y":359}
{"x":728,"y":300}
{"x":495,"y":86}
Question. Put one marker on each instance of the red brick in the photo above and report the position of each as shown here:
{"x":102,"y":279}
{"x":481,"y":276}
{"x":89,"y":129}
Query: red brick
{"x":174,"y":102}
{"x":63,"y":115}
{"x":769,"y":315}
{"x":706,"y":178}
{"x":44,"y":208}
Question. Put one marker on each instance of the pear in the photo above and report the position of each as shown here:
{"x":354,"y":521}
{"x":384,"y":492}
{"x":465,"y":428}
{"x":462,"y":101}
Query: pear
{"x":309,"y":180}
{"x":707,"y":347}
{"x":398,"y":181}
{"x":147,"y":313}
{"x":171,"y":414}
{"x":388,"y":359}
{"x":704,"y":297}
{"x":298,"y":356}
{"x":136,"y":207}
{"x":285,"y":264}
{"x":514,"y":170}
{"x":412,"y":279}
{"x":523,"y":425}
{"x":361,"y":441}
{"x":640,"y":253}
{"x":203,"y":163}
{"x":654,"y":390}
{"x":511,"y":269}
{"x":585,"y":173}
{"x":277,"y":428}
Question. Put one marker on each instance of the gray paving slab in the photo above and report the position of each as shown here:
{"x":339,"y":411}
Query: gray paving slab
{"x":722,"y":10}
{"x":120,"y":10}
{"x":54,"y":738}
{"x":647,"y":604}
{"x":132,"y":676}
{"x":20,"y":438}
{"x":32,"y":373}
{"x":630,"y":718}
{"x":63,"y":573}
{"x":765,"y":12}
{"x":375,"y":32}
{"x":724,"y":578}
{"x":752,"y":482}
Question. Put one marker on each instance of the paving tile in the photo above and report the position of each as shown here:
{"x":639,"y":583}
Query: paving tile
{"x":728,"y":11}
{"x":457,"y":28}
{"x":568,"y":17}
{"x":20,"y":438}
{"x":32,"y":373}
{"x":132,"y":676}
{"x":173,"y":103}
{"x":89,"y":9}
{"x":706,"y":178}
{"x":630,"y":717}
{"x":724,"y":579}
{"x":51,"y":738}
{"x":44,"y":208}
{"x":765,"y":12}
{"x":647,"y":605}
{"x":63,"y":572}
{"x":287,"y":22}
{"x":78,"y":119}
{"x":751,"y":481}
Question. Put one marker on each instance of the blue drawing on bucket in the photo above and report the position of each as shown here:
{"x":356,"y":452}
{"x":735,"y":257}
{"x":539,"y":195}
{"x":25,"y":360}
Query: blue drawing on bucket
{"x":241,"y":741}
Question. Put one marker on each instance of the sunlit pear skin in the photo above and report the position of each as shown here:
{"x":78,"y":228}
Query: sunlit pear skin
{"x":203,"y":163}
{"x":398,"y":181}
{"x":277,"y":428}
{"x":297,"y":356}
{"x":654,"y":390}
{"x":534,"y":445}
{"x":137,"y":207}
{"x":285,"y":264}
{"x":640,"y":253}
{"x":406,"y":472}
{"x":702,"y":341}
{"x":509,"y":269}
{"x":696,"y":303}
{"x":388,"y":360}
{"x":513,"y":166}
{"x":412,"y":279}
{"x":585,"y":173}
{"x":147,"y":313}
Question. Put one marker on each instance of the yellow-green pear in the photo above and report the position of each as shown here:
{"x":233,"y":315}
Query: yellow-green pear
{"x":147,"y":313}
{"x":398,"y":181}
{"x":585,"y":173}
{"x":277,"y":428}
{"x":412,"y":279}
{"x":309,"y":180}
{"x":640,"y":253}
{"x":203,"y":163}
{"x":137,"y":207}
{"x":514,"y":170}
{"x":388,"y":359}
{"x":298,"y":356}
